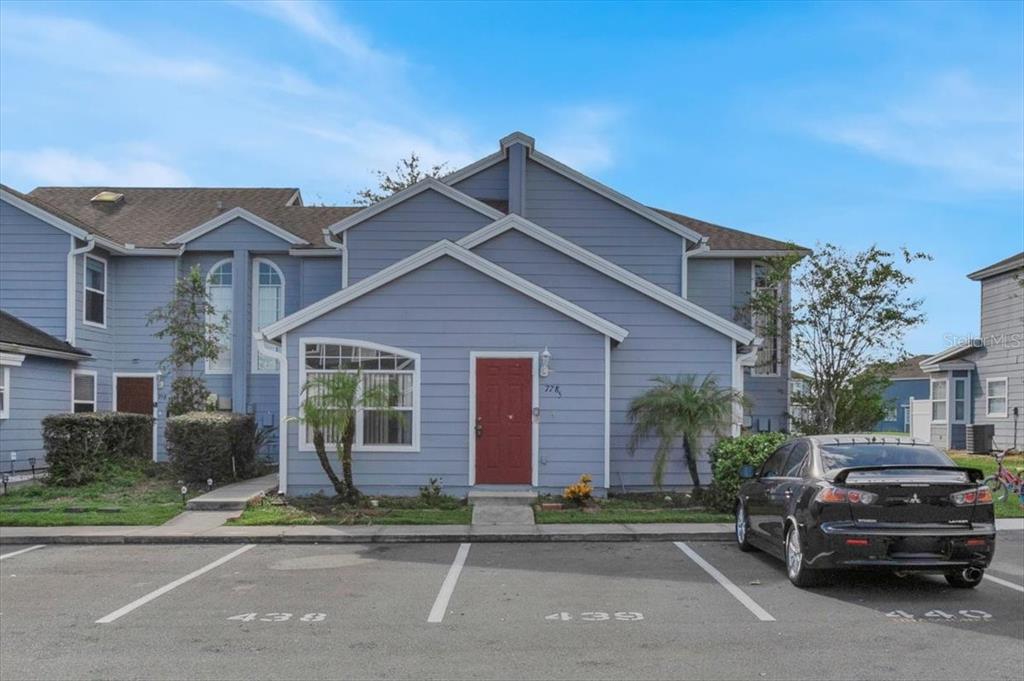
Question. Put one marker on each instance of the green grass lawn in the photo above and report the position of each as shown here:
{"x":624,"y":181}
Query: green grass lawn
{"x":633,"y":508}
{"x":130,"y":498}
{"x":391,"y":511}
{"x":1010,"y":508}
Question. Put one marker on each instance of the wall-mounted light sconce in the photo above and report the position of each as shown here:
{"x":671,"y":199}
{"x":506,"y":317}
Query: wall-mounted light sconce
{"x":545,"y":360}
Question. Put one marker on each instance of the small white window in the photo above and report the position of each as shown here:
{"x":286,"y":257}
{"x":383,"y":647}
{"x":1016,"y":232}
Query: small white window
{"x":219,"y":284}
{"x":95,"y":287}
{"x":268,"y":307}
{"x":995,"y":397}
{"x":5,"y":392}
{"x":381,"y":368}
{"x":83,"y":391}
{"x":939,"y":389}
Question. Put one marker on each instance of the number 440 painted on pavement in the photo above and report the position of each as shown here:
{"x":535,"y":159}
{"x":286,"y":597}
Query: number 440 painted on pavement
{"x":597,"y":616}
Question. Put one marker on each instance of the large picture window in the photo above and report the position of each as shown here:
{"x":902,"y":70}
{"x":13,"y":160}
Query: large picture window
{"x":381,"y":367}
{"x":95,"y":291}
{"x":769,"y":355}
{"x":268,"y":307}
{"x":219,"y":285}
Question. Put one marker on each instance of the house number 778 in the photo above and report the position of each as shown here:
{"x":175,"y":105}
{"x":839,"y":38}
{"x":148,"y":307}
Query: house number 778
{"x":553,"y":389}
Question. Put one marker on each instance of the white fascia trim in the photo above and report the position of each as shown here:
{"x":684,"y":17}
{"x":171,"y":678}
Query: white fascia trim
{"x":474,"y":355}
{"x":409,"y":192}
{"x":233,"y":214}
{"x":41,"y":352}
{"x":474,"y":168}
{"x":606,"y":267}
{"x":772,"y":253}
{"x":948,"y":352}
{"x":312,"y":252}
{"x":952,"y":365}
{"x":993,"y":270}
{"x":428,"y":255}
{"x":612,"y":195}
{"x":10,"y":359}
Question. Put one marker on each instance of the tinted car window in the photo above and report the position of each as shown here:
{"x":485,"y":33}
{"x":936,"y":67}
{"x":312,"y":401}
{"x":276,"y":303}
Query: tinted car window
{"x":775,"y":464}
{"x":836,"y":456}
{"x":795,"y":461}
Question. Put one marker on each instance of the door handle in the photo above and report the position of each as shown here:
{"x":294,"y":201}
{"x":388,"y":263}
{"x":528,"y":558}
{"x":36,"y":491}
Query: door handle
{"x":479,"y":428}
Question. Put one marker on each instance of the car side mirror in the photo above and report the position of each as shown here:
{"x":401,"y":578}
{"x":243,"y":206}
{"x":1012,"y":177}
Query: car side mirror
{"x":746,"y":471}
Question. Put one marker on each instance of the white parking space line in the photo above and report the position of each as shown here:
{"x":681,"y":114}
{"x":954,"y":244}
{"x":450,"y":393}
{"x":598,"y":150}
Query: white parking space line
{"x":448,"y":585}
{"x":1006,"y":583}
{"x":173,"y":585}
{"x":12,"y":554}
{"x":738,"y":593}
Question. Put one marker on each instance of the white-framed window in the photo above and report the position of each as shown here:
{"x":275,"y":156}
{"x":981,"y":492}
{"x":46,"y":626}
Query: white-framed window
{"x":5,"y":392}
{"x":959,"y":400}
{"x":219,"y":286}
{"x":769,"y":355}
{"x":890,"y":413}
{"x":938,"y":397}
{"x":996,"y":393}
{"x":94,"y":298}
{"x":381,"y":366}
{"x":268,"y":307}
{"x":83,"y":391}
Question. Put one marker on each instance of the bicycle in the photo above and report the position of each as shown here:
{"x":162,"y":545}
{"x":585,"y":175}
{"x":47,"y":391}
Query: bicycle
{"x":1005,"y":481}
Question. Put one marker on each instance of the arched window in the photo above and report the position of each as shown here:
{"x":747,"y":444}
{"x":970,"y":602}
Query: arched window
{"x":268,"y":307}
{"x":383,"y":368}
{"x":218,"y":284}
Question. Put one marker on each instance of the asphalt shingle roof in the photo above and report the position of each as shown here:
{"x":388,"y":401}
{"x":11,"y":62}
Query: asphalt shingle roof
{"x":728,"y":239}
{"x":17,"y":332}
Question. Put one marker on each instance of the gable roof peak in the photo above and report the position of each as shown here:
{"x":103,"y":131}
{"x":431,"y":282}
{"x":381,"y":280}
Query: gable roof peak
{"x":517,"y":137}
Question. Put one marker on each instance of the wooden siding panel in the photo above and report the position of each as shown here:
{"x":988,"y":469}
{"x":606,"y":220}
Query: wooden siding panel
{"x":33,"y":270}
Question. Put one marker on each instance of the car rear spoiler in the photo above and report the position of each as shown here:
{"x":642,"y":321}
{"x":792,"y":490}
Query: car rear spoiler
{"x":973,"y":474}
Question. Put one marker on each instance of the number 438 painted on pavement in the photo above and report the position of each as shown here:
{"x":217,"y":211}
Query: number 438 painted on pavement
{"x":597,"y":616}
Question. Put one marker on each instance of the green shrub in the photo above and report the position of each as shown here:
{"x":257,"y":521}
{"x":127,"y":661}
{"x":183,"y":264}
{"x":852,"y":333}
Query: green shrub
{"x":215,"y":445}
{"x":81,"y":447}
{"x":728,"y":455}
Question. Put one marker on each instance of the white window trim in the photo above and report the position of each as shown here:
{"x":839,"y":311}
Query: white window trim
{"x":95,"y":389}
{"x":85,"y":289}
{"x":305,"y":446}
{"x":156,"y":397}
{"x":1006,"y":397}
{"x":931,"y":397}
{"x":966,"y":399}
{"x":206,"y":363}
{"x":5,"y":377}
{"x":254,"y":304}
{"x":535,"y":408}
{"x":754,"y":369}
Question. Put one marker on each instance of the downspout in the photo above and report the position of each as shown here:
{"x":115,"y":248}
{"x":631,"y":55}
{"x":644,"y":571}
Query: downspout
{"x":701,"y":247}
{"x":341,"y":247}
{"x":72,"y":287}
{"x":279,"y":353}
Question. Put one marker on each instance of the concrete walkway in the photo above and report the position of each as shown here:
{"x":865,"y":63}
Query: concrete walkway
{"x":234,"y":497}
{"x":502,"y":507}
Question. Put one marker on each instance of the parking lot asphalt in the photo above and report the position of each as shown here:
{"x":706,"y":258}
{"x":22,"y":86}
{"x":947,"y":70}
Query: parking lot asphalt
{"x":501,"y":610}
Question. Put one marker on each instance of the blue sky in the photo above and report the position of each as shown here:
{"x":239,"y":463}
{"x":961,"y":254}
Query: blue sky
{"x":896,"y":124}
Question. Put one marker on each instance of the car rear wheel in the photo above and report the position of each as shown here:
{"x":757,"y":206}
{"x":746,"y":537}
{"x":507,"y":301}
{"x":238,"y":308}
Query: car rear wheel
{"x":965,"y":579}
{"x":743,"y":528}
{"x":801,"y":575}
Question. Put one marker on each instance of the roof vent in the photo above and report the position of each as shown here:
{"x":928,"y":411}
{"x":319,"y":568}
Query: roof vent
{"x":108,"y":197}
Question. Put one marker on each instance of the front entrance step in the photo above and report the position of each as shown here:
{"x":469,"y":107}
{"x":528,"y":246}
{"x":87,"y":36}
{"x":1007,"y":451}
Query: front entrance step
{"x":522,"y":497}
{"x":495,"y":506}
{"x":234,"y":497}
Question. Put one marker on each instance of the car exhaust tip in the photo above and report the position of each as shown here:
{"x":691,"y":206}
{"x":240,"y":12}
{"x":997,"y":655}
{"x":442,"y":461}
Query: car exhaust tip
{"x":972,"y":574}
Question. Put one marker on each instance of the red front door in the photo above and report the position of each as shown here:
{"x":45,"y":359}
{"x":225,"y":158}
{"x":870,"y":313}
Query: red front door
{"x":504,"y":421}
{"x":135,"y":394}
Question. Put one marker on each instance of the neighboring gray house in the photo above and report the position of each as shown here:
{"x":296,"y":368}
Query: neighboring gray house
{"x":908,"y":382}
{"x":516,"y":306}
{"x":981,"y":381}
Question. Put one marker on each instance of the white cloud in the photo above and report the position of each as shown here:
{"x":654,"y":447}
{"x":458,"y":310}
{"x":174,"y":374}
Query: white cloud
{"x":582,"y":136}
{"x":64,"y":167}
{"x":968,"y":133}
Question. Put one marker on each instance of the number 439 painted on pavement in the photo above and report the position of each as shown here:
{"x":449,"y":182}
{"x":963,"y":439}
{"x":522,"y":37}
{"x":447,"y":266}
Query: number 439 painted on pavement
{"x":597,"y":616}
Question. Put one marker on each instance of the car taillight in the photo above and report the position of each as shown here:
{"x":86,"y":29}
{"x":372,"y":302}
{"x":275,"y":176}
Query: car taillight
{"x":842,"y":495}
{"x":979,"y":495}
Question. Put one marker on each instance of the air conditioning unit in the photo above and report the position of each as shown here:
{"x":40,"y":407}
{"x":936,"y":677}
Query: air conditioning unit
{"x":979,"y":437}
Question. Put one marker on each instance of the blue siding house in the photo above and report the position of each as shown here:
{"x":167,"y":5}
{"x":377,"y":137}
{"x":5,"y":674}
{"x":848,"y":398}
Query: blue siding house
{"x":908,"y":382}
{"x":515,"y":306}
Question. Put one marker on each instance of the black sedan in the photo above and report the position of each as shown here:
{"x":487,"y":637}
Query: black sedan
{"x":864,"y":501}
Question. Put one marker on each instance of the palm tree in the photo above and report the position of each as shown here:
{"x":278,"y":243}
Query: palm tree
{"x":329,"y":408}
{"x":680,"y":409}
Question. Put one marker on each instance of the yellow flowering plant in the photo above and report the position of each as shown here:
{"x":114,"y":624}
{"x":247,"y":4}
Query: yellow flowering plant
{"x":580,"y":491}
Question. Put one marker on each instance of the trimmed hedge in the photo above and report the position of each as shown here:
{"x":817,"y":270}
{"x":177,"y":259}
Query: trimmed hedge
{"x":728,"y":455}
{"x":215,"y":445}
{"x":81,"y":447}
